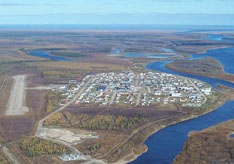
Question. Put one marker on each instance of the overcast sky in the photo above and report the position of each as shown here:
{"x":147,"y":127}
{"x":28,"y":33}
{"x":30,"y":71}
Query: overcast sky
{"x":199,"y":12}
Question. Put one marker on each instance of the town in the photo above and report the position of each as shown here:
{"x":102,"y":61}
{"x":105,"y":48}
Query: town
{"x":130,"y":89}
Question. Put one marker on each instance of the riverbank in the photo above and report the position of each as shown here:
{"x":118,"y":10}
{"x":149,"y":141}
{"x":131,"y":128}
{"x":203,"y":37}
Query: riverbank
{"x":175,"y":121}
{"x":207,"y":67}
{"x":212,"y":145}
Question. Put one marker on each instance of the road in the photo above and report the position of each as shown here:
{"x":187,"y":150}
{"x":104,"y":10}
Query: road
{"x":40,"y":126}
{"x":40,"y":123}
{"x":10,"y":157}
{"x":3,"y":83}
{"x":198,"y":90}
{"x":116,"y":147}
{"x":113,"y":98}
{"x":40,"y":88}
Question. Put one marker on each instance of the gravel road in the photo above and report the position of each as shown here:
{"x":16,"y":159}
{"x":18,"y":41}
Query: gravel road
{"x":17,"y":98}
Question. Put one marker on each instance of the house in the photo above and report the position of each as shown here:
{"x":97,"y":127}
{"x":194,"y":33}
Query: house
{"x":72,"y":82}
{"x":206,"y":91}
{"x":176,"y":94}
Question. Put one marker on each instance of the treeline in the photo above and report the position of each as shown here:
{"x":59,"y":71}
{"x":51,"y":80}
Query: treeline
{"x":34,"y":146}
{"x":96,"y":122}
{"x":52,"y":101}
{"x":94,"y":147}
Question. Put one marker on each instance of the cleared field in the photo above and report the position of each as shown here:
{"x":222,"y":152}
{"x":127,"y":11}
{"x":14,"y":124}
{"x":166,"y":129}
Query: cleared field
{"x":17,"y":98}
{"x":66,"y":135}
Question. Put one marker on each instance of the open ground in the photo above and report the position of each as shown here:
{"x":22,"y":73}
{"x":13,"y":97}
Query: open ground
{"x":16,"y":104}
{"x":90,"y":54}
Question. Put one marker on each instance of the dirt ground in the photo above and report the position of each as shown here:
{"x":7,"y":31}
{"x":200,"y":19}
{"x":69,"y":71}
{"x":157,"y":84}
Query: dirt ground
{"x":66,"y":135}
{"x":16,"y":103}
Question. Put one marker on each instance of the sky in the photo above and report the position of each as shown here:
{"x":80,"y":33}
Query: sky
{"x":177,"y":12}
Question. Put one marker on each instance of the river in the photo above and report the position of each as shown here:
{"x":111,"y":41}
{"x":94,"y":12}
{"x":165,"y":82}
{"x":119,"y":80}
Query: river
{"x":167,"y":143}
{"x":164,"y":145}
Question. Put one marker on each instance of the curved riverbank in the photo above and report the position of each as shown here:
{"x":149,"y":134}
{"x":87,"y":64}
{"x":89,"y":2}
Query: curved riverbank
{"x":163,"y":147}
{"x":221,"y":74}
{"x":166,"y":144}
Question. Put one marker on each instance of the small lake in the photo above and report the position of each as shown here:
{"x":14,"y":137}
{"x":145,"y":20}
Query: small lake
{"x":47,"y":55}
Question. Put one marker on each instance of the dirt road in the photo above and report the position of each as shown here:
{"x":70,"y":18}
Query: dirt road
{"x":17,"y":97}
{"x":40,"y":127}
{"x":199,"y":91}
{"x":3,"y":83}
{"x":136,"y":131}
{"x":10,"y":157}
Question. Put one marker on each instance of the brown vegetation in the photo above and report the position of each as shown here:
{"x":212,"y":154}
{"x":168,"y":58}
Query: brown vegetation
{"x":96,"y":122}
{"x":213,"y":145}
{"x":205,"y":66}
{"x":97,"y":46}
{"x":3,"y":159}
{"x":5,"y":94}
{"x":13,"y":128}
{"x":52,"y":101}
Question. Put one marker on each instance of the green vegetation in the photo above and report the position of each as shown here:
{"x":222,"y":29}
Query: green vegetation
{"x":33,"y":147}
{"x":53,"y":100}
{"x":96,"y":122}
{"x":68,"y":54}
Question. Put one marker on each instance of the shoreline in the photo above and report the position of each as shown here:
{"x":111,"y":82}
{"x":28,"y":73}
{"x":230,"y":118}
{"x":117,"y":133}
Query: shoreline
{"x":125,"y":161}
{"x":199,"y":74}
{"x":212,"y":48}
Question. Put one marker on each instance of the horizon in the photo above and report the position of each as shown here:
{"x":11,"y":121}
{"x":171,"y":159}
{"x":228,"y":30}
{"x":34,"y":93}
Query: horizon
{"x":118,"y":27}
{"x":176,"y":12}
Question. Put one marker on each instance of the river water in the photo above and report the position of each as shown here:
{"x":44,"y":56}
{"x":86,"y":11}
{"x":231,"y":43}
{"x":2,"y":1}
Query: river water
{"x":164,"y":145}
{"x":167,"y":143}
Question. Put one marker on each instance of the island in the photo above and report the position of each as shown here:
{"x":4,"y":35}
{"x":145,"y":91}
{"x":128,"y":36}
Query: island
{"x":206,"y":66}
